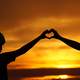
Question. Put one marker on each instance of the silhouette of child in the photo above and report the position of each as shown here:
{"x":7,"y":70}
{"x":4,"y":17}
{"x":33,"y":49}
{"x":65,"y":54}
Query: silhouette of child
{"x":7,"y":57}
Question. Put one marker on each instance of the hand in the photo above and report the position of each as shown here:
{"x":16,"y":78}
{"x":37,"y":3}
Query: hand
{"x":50,"y":34}
{"x":43,"y":35}
{"x":55,"y":34}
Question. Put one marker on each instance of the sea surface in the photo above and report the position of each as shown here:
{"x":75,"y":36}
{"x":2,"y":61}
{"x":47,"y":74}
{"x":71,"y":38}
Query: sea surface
{"x":57,"y":77}
{"x":45,"y":74}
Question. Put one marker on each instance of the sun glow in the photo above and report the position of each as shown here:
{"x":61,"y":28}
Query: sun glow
{"x":63,"y":66}
{"x":63,"y":77}
{"x":49,"y":53}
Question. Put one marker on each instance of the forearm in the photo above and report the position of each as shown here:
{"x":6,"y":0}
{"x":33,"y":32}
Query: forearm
{"x":27,"y":46}
{"x":71,"y":43}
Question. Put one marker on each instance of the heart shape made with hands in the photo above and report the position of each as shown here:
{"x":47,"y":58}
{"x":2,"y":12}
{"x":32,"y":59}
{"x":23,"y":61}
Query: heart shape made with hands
{"x":49,"y":34}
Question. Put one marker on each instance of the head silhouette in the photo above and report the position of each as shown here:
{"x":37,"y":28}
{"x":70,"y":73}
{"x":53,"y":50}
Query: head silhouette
{"x":2,"y":41}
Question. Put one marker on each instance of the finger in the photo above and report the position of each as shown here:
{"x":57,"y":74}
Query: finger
{"x":53,"y":30}
{"x":47,"y":37}
{"x":50,"y":37}
{"x":46,"y":31}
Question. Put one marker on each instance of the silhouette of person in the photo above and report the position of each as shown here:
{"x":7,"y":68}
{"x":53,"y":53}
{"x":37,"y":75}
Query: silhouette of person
{"x":69,"y":42}
{"x":7,"y":57}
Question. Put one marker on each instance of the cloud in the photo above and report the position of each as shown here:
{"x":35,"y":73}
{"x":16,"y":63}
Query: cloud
{"x":23,"y":20}
{"x":11,"y":12}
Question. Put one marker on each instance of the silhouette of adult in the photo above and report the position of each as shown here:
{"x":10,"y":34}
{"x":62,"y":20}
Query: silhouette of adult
{"x":69,"y":42}
{"x":7,"y":57}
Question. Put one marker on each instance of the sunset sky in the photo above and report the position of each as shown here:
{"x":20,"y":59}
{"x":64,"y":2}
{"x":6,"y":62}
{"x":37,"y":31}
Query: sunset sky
{"x":23,"y":20}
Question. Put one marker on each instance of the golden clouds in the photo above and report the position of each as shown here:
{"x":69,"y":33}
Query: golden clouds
{"x":11,"y":12}
{"x":23,"y":20}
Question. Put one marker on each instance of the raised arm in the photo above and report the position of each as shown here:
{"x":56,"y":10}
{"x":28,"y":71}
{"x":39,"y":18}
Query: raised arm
{"x":69,"y":42}
{"x":28,"y":46}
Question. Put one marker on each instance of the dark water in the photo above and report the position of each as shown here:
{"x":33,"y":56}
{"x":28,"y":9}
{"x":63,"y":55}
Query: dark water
{"x":45,"y":74}
{"x":57,"y":77}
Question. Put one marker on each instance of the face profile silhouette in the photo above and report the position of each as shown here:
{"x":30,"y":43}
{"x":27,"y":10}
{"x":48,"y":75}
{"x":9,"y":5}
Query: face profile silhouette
{"x":2,"y":39}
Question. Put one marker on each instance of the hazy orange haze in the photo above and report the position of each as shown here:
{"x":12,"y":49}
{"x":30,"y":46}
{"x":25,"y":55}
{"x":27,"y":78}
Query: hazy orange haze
{"x":23,"y":20}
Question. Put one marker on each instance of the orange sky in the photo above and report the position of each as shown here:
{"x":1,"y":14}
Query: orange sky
{"x":23,"y":20}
